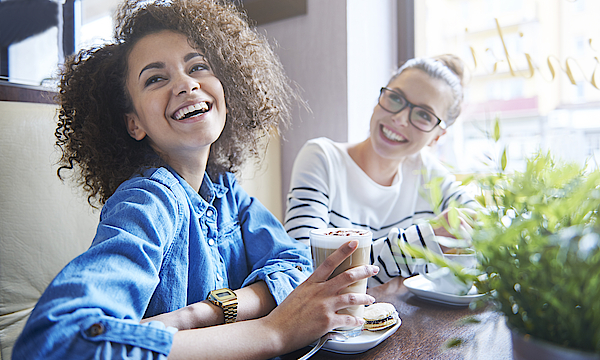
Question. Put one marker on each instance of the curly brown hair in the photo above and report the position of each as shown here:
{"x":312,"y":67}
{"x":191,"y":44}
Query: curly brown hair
{"x":93,"y":99}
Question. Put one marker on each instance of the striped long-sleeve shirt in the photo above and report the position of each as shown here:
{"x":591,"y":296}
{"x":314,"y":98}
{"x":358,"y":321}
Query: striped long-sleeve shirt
{"x":328,"y":189}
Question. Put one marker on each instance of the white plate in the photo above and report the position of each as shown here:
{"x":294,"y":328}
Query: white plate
{"x":423,"y":288}
{"x":365,"y":341}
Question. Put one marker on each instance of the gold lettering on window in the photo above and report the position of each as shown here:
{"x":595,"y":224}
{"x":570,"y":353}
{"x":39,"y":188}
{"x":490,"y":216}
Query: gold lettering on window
{"x":554,"y":64}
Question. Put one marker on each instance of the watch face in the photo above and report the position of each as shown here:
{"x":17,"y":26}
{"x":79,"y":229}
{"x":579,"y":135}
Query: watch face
{"x":224,"y":294}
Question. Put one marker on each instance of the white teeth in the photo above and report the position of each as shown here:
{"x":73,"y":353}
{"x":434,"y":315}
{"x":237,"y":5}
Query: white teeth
{"x":181,"y":113}
{"x":392,"y":135}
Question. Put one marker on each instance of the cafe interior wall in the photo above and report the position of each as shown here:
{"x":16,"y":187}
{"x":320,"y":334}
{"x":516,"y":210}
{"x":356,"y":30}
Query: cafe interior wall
{"x":537,"y":109}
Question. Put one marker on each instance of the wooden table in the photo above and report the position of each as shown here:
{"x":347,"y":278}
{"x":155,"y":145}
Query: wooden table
{"x":427,"y":327}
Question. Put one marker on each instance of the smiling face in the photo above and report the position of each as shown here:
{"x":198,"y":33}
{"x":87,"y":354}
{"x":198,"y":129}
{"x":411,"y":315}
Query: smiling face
{"x":179,"y":104}
{"x":392,"y":135}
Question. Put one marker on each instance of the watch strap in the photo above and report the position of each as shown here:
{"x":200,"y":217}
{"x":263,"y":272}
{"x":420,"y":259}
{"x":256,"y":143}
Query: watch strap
{"x":230,"y":312}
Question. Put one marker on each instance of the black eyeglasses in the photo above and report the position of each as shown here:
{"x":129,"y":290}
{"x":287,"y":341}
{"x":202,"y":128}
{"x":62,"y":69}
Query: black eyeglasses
{"x":419,"y":117}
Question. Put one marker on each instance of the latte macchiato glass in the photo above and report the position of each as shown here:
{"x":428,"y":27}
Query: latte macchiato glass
{"x":323,"y":242}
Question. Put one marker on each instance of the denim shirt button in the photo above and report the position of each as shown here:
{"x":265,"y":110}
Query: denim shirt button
{"x":209,"y":212}
{"x":211,"y":242}
{"x":299,"y":267}
{"x":95,"y":330}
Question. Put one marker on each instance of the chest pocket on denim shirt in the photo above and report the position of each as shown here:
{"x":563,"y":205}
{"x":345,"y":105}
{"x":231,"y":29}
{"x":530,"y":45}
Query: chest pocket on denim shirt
{"x":231,"y":245}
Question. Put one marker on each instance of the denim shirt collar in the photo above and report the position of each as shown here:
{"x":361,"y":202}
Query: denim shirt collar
{"x":201,"y":200}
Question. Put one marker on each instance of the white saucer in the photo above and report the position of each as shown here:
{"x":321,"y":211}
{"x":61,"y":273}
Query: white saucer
{"x":423,"y":288}
{"x":363,"y":342}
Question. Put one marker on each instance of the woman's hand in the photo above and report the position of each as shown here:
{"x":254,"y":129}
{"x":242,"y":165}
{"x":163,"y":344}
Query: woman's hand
{"x":311,"y":309}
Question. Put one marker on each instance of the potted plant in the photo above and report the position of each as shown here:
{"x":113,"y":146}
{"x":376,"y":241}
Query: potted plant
{"x":538,"y":241}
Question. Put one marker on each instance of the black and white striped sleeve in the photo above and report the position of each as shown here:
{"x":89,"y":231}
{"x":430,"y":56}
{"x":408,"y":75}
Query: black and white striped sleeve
{"x":452,"y":190}
{"x":392,"y":261}
{"x":308,"y":199}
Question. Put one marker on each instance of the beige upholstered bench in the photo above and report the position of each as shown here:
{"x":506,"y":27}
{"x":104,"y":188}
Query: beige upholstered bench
{"x":44,"y":223}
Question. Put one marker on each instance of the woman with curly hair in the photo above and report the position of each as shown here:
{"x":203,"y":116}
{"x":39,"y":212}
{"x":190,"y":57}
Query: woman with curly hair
{"x":153,"y":126}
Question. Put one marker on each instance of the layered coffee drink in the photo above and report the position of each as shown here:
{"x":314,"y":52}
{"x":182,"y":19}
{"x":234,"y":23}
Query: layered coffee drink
{"x":323,"y":242}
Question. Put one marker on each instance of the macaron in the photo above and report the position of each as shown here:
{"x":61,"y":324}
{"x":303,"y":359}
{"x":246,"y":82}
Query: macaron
{"x":380,"y":316}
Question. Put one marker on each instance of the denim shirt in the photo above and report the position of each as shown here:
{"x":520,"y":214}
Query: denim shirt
{"x":159,"y":247}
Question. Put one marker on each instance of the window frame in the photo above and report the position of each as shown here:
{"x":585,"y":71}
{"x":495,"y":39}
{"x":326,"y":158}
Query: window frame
{"x":406,"y":30}
{"x":10,"y":91}
{"x":15,"y":91}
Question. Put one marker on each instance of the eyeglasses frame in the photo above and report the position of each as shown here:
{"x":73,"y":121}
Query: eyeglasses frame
{"x":441,"y":123}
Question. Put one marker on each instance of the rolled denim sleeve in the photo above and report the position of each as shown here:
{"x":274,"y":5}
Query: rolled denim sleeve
{"x":281,"y":262}
{"x":92,"y":309}
{"x":117,"y":339}
{"x":282,"y":274}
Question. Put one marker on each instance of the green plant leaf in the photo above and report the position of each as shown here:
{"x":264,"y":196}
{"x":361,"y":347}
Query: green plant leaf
{"x":537,"y":237}
{"x":453,"y":218}
{"x":467,"y":320}
{"x":453,"y":342}
{"x":497,"y":129}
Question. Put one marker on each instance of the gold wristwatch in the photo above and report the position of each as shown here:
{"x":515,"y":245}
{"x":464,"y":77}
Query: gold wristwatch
{"x":227,"y":300}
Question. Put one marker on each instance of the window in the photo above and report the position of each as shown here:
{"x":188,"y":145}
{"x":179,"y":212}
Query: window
{"x":37,"y":35}
{"x":32,"y":53}
{"x":507,"y":47}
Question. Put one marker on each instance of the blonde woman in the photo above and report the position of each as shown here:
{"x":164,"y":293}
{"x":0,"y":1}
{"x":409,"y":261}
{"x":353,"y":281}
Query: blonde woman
{"x":379,"y":184}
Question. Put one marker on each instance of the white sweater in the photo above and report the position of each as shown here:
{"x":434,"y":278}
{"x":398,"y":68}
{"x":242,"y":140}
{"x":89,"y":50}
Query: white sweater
{"x":328,"y":189}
